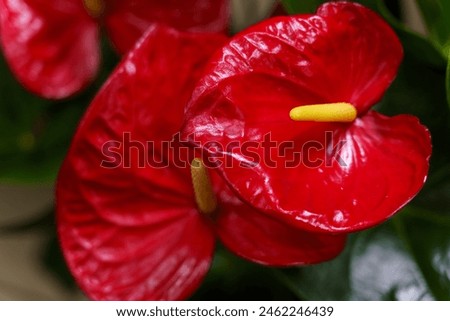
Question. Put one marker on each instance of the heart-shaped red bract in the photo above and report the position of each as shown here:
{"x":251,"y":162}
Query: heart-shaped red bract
{"x":126,"y":21}
{"x":328,"y":177}
{"x":132,"y":231}
{"x":52,"y":47}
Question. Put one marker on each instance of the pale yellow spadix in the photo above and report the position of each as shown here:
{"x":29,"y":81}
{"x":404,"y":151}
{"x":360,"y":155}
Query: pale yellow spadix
{"x":335,"y":112}
{"x":204,"y":194}
{"x":94,"y":7}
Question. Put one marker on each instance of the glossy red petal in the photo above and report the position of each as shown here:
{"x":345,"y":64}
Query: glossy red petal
{"x":164,"y":260}
{"x":130,"y":230}
{"x":337,"y":179}
{"x":51,"y":46}
{"x":264,"y":240}
{"x":344,"y":53}
{"x":126,"y":21}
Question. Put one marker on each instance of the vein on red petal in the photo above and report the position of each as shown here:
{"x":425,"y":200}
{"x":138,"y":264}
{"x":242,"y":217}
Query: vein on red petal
{"x":265,"y":240}
{"x":345,"y":53}
{"x":159,"y":262}
{"x":132,"y":233}
{"x":380,"y":166}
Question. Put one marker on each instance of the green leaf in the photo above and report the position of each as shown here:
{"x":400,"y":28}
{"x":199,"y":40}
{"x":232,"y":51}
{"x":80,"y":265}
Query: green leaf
{"x":303,"y":6}
{"x":420,"y":90}
{"x":426,"y":235}
{"x":436,"y":15}
{"x":447,"y":80}
{"x":310,"y":6}
{"x":53,"y":260}
{"x":35,"y":133}
{"x":436,"y":196}
{"x":404,"y":259}
{"x":329,"y":281}
{"x":415,"y":44}
{"x":232,"y":278}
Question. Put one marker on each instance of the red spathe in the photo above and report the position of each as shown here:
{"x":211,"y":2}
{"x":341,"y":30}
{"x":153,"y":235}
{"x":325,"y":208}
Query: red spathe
{"x":344,"y":53}
{"x":53,"y":49}
{"x":135,"y":233}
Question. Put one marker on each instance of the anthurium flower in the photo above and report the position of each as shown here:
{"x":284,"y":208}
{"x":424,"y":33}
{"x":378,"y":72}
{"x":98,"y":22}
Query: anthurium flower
{"x":53,"y":46}
{"x":134,"y":228}
{"x":299,"y":90}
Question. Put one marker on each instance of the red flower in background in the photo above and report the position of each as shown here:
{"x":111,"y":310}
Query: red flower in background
{"x":53,"y":46}
{"x":138,"y":232}
{"x":345,"y":57}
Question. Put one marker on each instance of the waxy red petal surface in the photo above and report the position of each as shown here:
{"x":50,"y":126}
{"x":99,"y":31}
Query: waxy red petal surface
{"x":345,"y":53}
{"x":131,"y":233}
{"x":126,"y":21}
{"x":367,"y":172}
{"x":134,"y":232}
{"x":265,"y":240}
{"x":51,"y":46}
